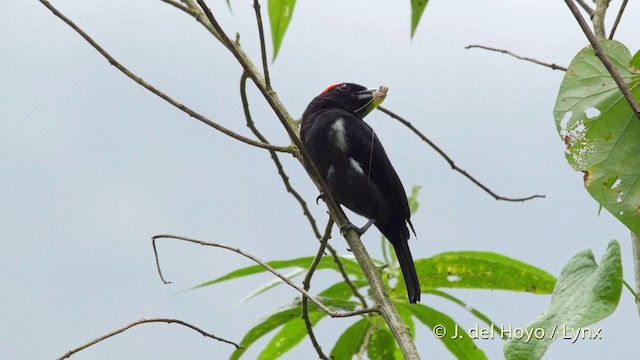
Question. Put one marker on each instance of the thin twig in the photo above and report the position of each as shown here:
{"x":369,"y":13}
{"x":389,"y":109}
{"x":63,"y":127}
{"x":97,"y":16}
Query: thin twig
{"x":307,"y":285}
{"x":180,"y":6}
{"x":145,"y":321}
{"x":159,"y":93}
{"x":288,"y":281}
{"x":274,"y":156}
{"x":263,"y":48}
{"x":552,"y":66}
{"x":604,"y":58}
{"x":586,"y":7}
{"x":618,"y":17}
{"x":367,"y":339}
{"x":451,"y":163}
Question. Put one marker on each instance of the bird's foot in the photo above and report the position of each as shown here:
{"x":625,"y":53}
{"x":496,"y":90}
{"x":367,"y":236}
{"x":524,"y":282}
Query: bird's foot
{"x":344,"y":229}
{"x":320,"y":197}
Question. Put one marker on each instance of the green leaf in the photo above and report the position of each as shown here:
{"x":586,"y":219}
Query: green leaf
{"x":289,"y":336}
{"x":470,"y":309}
{"x":270,"y":322}
{"x":280,"y":13}
{"x":417,"y":8}
{"x":350,"y":266}
{"x":585,"y":294}
{"x":266,"y":287}
{"x":351,"y":340}
{"x":601,"y":131}
{"x":413,"y":199}
{"x":635,"y":61}
{"x":335,"y":297}
{"x":461,"y":345}
{"x":482,"y":270}
{"x":382,"y":346}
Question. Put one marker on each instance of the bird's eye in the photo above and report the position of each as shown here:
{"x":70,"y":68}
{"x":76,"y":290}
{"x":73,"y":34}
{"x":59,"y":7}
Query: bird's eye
{"x":344,"y":87}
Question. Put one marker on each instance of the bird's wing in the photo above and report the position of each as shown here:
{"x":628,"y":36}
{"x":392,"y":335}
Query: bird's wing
{"x":365,"y":148}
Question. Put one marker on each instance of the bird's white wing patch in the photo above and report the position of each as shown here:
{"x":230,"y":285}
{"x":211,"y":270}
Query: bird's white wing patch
{"x":339,"y":136}
{"x":357,"y":167}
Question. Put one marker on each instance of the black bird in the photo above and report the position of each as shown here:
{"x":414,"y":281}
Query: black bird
{"x":356,"y":168}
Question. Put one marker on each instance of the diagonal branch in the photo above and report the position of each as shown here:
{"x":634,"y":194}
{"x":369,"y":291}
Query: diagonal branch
{"x":274,"y":156}
{"x":450,"y":161}
{"x":552,"y":66}
{"x":377,"y":286}
{"x":618,"y":17}
{"x":294,"y":192}
{"x":604,"y":58}
{"x":145,"y":321}
{"x":307,"y":284}
{"x":333,"y":314}
{"x":156,"y":91}
{"x":586,"y":7}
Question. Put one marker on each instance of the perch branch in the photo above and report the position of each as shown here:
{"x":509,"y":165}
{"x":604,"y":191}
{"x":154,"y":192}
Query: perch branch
{"x":263,"y":48}
{"x":378,"y":289}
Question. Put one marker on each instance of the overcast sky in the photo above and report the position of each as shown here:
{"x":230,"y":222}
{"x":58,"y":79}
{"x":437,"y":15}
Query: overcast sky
{"x":93,"y":165}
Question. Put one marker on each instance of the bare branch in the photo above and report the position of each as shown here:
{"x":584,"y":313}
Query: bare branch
{"x":274,"y":156}
{"x":145,"y":321}
{"x":288,"y":281}
{"x":154,"y":90}
{"x":263,"y":49}
{"x":307,"y":284}
{"x":180,"y":6}
{"x":451,"y":163}
{"x":604,"y":58}
{"x":618,"y":17}
{"x":552,"y":66}
{"x":586,"y":7}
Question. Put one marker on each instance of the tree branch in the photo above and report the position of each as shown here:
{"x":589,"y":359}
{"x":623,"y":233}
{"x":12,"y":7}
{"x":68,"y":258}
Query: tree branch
{"x":450,"y":161}
{"x":263,"y":48}
{"x":156,"y":91}
{"x":618,"y":17}
{"x":145,"y":321}
{"x":307,"y":285}
{"x":604,"y":58}
{"x":333,"y":314}
{"x":598,"y":18}
{"x":274,"y":156}
{"x":586,"y":7}
{"x":552,"y":66}
{"x":378,"y":289}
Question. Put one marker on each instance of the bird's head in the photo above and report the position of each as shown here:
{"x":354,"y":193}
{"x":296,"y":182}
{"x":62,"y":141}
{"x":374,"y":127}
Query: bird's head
{"x":353,"y":98}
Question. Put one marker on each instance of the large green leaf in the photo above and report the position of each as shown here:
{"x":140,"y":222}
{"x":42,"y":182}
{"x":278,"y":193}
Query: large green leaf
{"x":382,"y":346}
{"x":417,"y":8}
{"x":445,"y":329}
{"x":351,"y":340}
{"x":280,"y":13}
{"x":289,"y":336}
{"x":482,"y":270}
{"x":585,"y":294}
{"x":335,"y":297}
{"x":601,"y":131}
{"x":350,"y":266}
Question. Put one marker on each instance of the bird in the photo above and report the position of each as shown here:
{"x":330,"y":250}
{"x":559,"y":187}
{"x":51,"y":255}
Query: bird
{"x":356,"y":168}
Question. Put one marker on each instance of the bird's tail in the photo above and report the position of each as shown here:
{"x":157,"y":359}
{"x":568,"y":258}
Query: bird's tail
{"x":408,"y":270}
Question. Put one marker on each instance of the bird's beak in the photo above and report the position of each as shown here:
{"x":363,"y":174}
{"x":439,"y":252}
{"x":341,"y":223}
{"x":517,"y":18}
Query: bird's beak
{"x":371,"y":99}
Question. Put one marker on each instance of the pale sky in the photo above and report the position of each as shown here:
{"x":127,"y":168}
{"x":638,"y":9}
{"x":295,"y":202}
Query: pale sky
{"x":93,"y":165}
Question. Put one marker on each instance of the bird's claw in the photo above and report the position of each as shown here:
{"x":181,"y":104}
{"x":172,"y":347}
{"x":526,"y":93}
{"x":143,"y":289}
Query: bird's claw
{"x":320,"y":197}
